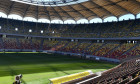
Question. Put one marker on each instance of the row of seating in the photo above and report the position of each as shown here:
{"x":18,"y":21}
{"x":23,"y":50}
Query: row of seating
{"x":92,"y":48}
{"x":125,"y":73}
{"x":129,"y":28}
{"x":25,"y":44}
{"x":49,"y":44}
{"x":109,"y":50}
{"x":9,"y":43}
{"x":105,"y":49}
{"x":70,"y":47}
{"x":120,"y":50}
{"x":134,"y":52}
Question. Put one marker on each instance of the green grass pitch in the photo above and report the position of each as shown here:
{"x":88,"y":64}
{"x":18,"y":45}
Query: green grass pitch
{"x":37,"y":68}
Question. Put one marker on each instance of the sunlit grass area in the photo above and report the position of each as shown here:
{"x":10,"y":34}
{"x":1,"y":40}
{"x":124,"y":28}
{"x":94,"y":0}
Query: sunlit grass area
{"x":37,"y":68}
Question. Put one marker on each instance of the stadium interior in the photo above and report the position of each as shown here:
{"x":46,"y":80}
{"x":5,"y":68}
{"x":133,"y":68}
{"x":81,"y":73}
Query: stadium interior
{"x":113,"y":48}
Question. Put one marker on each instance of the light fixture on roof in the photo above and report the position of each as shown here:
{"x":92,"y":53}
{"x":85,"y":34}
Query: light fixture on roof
{"x":41,"y":31}
{"x":133,"y":42}
{"x":30,"y":30}
{"x":0,"y":27}
{"x":16,"y":29}
{"x":53,"y":32}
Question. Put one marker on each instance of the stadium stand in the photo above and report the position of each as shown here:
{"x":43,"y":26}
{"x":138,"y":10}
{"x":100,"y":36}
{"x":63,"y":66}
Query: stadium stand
{"x":109,"y":50}
{"x":49,"y":42}
{"x":113,"y":41}
{"x":99,"y":30}
{"x":60,"y":45}
{"x":25,"y":43}
{"x":93,"y":47}
{"x":125,"y":73}
{"x":49,"y":45}
{"x":10,"y":43}
{"x":36,"y":42}
{"x":70,"y":47}
{"x":80,"y":48}
{"x":105,"y":49}
{"x":134,"y":52}
{"x":120,"y":50}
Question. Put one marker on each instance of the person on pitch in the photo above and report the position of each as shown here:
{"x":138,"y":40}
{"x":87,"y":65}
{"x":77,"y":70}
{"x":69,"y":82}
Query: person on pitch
{"x":18,"y":79}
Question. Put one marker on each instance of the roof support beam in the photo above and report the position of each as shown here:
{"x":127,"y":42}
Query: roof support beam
{"x":37,"y":12}
{"x":24,"y":14}
{"x":67,"y":13}
{"x":64,"y":12}
{"x":77,"y":11}
{"x":11,"y":7}
{"x":117,"y":3}
{"x":47,"y":12}
{"x":138,"y":1}
{"x":102,"y":8}
{"x":57,"y":12}
{"x":94,"y":14}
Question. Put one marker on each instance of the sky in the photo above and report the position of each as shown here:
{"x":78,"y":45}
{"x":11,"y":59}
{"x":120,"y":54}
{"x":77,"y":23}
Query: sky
{"x":58,"y":2}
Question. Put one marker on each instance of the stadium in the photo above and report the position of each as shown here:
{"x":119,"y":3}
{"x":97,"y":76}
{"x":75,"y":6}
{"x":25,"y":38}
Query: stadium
{"x":70,"y":41}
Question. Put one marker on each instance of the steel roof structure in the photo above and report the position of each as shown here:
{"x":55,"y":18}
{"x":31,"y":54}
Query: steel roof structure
{"x":85,"y":10}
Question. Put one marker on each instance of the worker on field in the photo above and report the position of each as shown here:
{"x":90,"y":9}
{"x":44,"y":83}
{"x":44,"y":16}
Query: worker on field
{"x":17,"y":79}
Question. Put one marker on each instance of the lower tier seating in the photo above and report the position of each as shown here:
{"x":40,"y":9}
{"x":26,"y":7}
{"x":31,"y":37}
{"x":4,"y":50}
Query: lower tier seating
{"x":125,"y":73}
{"x":109,"y":50}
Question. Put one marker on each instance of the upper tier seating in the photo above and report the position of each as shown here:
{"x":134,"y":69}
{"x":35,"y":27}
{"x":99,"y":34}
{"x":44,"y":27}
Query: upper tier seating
{"x":129,"y":28}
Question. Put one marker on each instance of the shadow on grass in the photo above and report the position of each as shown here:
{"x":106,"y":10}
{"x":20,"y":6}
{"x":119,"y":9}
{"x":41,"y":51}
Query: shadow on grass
{"x":39,"y":63}
{"x":13,"y":74}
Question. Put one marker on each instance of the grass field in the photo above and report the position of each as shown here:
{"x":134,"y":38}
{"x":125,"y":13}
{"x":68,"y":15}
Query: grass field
{"x":37,"y":68}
